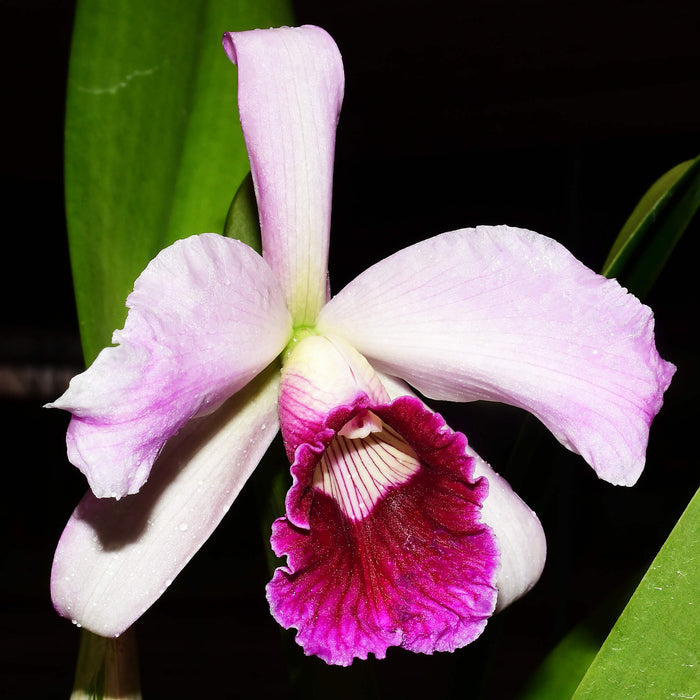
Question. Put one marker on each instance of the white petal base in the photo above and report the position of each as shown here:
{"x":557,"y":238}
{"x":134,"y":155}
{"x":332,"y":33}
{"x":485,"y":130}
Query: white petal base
{"x":116,"y":558}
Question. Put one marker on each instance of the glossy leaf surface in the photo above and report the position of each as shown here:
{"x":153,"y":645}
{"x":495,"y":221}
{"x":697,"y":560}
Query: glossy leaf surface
{"x":653,"y":649}
{"x":154,"y":149}
{"x":654,"y":227}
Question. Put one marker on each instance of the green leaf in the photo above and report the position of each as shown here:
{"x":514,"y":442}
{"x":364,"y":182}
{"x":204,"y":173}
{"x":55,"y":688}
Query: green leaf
{"x":561,"y":672}
{"x":654,"y":227}
{"x":637,"y":257}
{"x":654,"y":651}
{"x":154,"y":150}
{"x":242,"y":221}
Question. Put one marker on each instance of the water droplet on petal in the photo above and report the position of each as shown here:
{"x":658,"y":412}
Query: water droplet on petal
{"x":183,"y":527}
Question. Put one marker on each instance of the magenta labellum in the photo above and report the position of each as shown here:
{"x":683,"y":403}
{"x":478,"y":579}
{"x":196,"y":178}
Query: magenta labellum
{"x":384,"y":539}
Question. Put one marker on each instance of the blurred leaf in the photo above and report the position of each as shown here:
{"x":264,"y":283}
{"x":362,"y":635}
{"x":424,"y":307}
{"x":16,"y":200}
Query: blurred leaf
{"x":654,"y":227}
{"x":654,"y":651}
{"x":242,"y":221}
{"x":154,"y":150}
{"x":561,"y":672}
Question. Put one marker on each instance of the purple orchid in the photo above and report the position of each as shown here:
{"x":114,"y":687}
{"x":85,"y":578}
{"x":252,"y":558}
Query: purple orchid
{"x":396,"y":533}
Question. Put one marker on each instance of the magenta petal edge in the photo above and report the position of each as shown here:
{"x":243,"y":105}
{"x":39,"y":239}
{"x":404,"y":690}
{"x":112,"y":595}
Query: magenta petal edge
{"x":417,"y":571}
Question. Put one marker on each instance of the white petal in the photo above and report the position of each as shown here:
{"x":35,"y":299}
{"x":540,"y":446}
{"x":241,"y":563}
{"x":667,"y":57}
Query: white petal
{"x":116,"y":558}
{"x":520,"y":536}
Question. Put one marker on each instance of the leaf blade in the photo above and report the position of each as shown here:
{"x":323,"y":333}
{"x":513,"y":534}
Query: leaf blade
{"x":653,"y":650}
{"x":655,"y":226}
{"x":154,"y":150}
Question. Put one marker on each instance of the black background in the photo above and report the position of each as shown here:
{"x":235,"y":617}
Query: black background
{"x":545,"y":115}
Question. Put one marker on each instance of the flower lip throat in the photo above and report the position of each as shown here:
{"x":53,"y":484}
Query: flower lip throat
{"x":364,"y":461}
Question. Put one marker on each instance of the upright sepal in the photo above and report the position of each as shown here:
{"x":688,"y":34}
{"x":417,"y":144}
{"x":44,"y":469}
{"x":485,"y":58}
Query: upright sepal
{"x":290,"y":91}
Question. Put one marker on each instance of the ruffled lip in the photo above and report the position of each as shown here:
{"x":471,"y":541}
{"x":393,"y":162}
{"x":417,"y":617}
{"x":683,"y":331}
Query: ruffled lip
{"x":417,"y":570}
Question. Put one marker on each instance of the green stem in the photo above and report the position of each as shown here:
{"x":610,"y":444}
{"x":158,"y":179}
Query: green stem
{"x":107,"y":669}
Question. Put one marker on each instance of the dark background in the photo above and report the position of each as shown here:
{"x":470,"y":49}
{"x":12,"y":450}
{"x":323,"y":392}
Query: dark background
{"x":545,"y":115}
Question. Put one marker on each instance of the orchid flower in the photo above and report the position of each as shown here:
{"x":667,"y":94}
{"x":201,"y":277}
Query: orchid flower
{"x":396,"y":532}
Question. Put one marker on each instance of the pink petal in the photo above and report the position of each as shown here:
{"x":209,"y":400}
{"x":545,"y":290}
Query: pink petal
{"x":507,"y":315}
{"x":205,"y":317}
{"x":290,"y":89}
{"x":116,"y":558}
{"x":384,"y":550}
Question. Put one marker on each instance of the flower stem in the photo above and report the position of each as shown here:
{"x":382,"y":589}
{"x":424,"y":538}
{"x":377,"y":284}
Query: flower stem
{"x":107,"y":669}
